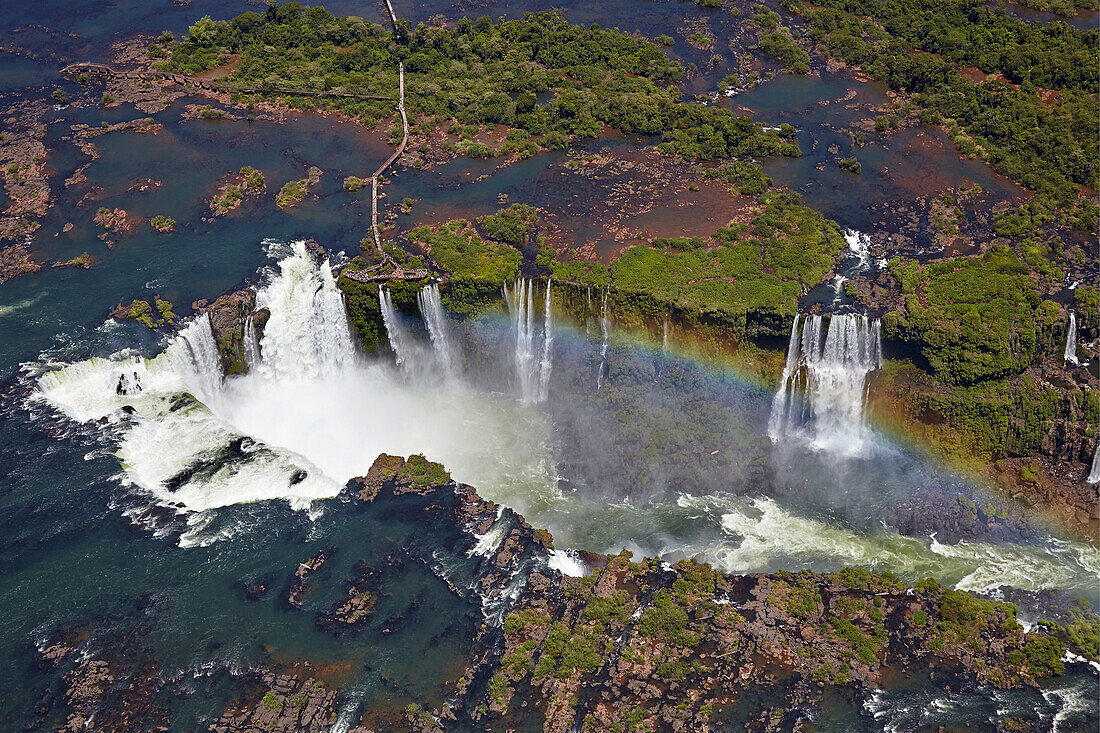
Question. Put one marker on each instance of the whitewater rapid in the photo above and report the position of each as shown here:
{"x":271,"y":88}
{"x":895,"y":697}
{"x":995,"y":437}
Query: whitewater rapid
{"x":310,"y":415}
{"x":313,"y":412}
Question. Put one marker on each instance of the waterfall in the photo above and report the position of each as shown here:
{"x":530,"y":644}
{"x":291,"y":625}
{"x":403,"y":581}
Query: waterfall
{"x":431,"y":309}
{"x":1070,"y":355}
{"x":400,"y":340}
{"x":251,"y":344}
{"x":603,"y":347}
{"x":822,"y":395}
{"x":1094,"y":474}
{"x":588,"y":312}
{"x":193,"y":354}
{"x":547,"y":342}
{"x":664,"y":335}
{"x":532,"y":373}
{"x":308,"y":332}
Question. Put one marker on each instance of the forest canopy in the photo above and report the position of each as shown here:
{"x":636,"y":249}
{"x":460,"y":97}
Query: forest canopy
{"x":538,"y":73}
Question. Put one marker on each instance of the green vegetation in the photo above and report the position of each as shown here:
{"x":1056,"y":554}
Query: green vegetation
{"x":354,"y":183}
{"x":565,"y":653}
{"x":228,"y":199}
{"x":294,"y":192}
{"x":605,"y":609}
{"x":781,"y":48}
{"x":1048,"y":146}
{"x":272,"y":701}
{"x":971,"y":318}
{"x":163,"y":223}
{"x":457,"y":249}
{"x":766,"y":19}
{"x":60,"y":96}
{"x":746,"y":177}
{"x":291,"y":193}
{"x":748,"y":279}
{"x":253,"y":179}
{"x":209,"y":113}
{"x":420,"y":473}
{"x":852,"y":165}
{"x":517,"y":621}
{"x":483,"y":73}
{"x":667,"y":621}
{"x":1081,"y":632}
{"x":364,"y":312}
{"x":510,"y":225}
{"x":964,"y":618}
{"x":154,"y":315}
{"x":1059,"y":7}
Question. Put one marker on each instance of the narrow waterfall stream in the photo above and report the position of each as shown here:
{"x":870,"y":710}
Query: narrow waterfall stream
{"x":431,"y":310}
{"x":605,"y":324}
{"x":398,"y":335}
{"x":1069,"y":356}
{"x":532,"y":355}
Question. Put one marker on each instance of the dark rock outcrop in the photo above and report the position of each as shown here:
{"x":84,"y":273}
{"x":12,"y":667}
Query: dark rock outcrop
{"x":229,"y":315}
{"x":299,"y":583}
{"x":290,"y":704}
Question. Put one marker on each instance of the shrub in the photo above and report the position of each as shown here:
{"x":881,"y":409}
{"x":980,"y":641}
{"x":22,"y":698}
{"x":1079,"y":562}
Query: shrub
{"x":851,"y":165}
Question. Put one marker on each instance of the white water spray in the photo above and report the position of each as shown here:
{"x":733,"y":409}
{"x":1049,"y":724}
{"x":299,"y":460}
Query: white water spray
{"x":532,"y":369}
{"x":194,"y":356}
{"x":1094,"y":474}
{"x":1070,"y":354}
{"x":400,"y":340}
{"x":307,"y":333}
{"x":251,"y":344}
{"x":604,"y":323}
{"x":308,"y":418}
{"x":860,"y":246}
{"x":431,"y":309}
{"x":822,"y":395}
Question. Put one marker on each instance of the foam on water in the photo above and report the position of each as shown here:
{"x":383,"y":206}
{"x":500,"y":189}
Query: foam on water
{"x":763,"y":536}
{"x":190,"y":439}
{"x":492,"y":538}
{"x":312,"y":413}
{"x":566,"y":562}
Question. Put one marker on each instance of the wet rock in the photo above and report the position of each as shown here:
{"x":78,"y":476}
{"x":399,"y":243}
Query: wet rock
{"x":298,"y":584}
{"x":257,"y":590}
{"x":16,"y":260}
{"x":229,"y":316}
{"x":290,"y":704}
{"x":354,"y":612}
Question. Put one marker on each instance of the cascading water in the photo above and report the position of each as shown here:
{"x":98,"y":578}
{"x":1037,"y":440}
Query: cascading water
{"x":431,"y":309}
{"x":251,"y":344}
{"x":400,"y":340}
{"x":547,"y":343}
{"x":194,"y":356}
{"x":1070,"y":354}
{"x":532,"y":371}
{"x":310,"y":415}
{"x":308,"y":332}
{"x":604,"y":323}
{"x":1094,"y":474}
{"x":822,"y":396}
